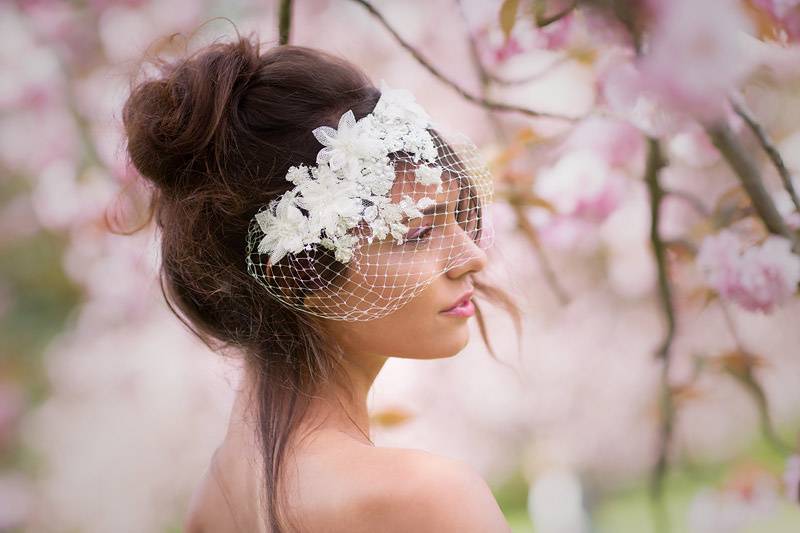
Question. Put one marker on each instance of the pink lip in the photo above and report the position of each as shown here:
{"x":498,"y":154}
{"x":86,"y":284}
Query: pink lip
{"x":463,"y":308}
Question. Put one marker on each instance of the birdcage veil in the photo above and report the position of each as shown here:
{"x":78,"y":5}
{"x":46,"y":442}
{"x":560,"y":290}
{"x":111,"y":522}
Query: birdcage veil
{"x":393,"y":202}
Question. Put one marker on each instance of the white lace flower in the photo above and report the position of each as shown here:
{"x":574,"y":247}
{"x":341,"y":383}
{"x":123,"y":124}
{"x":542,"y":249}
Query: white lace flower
{"x":430,"y":176}
{"x":345,"y":145}
{"x":342,"y":246}
{"x":352,"y":181}
{"x":314,"y":193}
{"x":400,"y":105}
{"x":333,"y":204}
{"x":409,"y":208}
{"x":384,"y":218}
{"x":285,"y":229}
{"x":376,"y":179}
{"x":425,"y":202}
{"x":297,"y":174}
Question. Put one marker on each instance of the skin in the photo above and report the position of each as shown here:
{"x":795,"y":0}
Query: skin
{"x":337,"y":480}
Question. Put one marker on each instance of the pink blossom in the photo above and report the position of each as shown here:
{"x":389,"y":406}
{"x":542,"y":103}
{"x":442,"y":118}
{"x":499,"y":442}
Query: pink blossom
{"x":558,"y":34}
{"x":616,"y":141}
{"x":603,"y":28}
{"x":629,"y":94}
{"x":791,"y":478}
{"x":785,"y":14}
{"x":62,"y":198}
{"x":508,"y":49}
{"x":694,"y":148}
{"x":525,"y":37}
{"x":63,"y":27}
{"x":694,"y":56}
{"x":100,"y":5}
{"x":687,"y":69}
{"x":759,"y":279}
{"x":495,"y":48}
{"x":584,"y":189}
{"x":567,"y":233}
{"x":581,"y":184}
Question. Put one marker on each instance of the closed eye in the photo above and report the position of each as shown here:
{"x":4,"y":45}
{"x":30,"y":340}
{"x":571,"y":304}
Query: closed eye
{"x":419,"y":233}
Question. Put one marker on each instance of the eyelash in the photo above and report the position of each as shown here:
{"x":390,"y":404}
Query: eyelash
{"x":426,"y":231}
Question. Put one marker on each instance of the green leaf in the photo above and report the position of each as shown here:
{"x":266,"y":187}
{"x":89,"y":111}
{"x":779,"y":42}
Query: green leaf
{"x":508,"y":16}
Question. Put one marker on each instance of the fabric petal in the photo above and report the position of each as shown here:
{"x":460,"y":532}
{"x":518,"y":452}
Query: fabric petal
{"x":324,"y":155}
{"x":325,"y":135}
{"x":264,"y":246}
{"x":347,"y":121}
{"x":265,"y":220}
{"x":279,"y":254}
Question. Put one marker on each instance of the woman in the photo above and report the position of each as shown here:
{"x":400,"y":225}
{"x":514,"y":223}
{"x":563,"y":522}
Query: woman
{"x":315,"y":226}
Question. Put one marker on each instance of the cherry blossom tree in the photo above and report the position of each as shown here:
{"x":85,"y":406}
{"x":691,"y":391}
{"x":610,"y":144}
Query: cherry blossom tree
{"x":647,"y":217}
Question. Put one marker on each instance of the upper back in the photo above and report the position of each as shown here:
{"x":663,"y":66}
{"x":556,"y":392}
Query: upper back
{"x":340,"y":486}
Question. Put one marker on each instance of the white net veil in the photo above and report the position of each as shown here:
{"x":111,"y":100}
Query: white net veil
{"x":391,"y":204}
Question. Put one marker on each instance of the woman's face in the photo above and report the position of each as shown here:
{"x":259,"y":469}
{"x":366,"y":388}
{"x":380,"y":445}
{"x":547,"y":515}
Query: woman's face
{"x":429,"y":273}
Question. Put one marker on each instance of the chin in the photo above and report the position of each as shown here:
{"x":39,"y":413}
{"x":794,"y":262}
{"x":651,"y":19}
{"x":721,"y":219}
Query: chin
{"x":457,"y":342}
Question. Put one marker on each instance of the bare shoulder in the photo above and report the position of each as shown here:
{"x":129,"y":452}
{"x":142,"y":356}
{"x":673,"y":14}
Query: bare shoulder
{"x":209,"y":509}
{"x":194,"y":521}
{"x":413,"y":490}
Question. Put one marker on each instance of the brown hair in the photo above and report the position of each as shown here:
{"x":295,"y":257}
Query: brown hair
{"x":215,"y":132}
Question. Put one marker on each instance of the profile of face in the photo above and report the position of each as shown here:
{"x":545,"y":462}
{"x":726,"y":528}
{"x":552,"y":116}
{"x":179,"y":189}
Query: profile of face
{"x":420,"y":278}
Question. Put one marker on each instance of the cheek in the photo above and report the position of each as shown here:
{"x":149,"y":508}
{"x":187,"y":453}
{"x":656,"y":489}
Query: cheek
{"x":384,"y":283}
{"x":418,"y":331}
{"x":402,"y":268}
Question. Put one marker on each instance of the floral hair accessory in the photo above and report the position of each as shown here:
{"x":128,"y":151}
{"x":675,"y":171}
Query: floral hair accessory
{"x":350,"y":182}
{"x":345,"y":210}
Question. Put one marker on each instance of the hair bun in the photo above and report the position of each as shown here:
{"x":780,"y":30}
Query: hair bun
{"x":178,"y":123}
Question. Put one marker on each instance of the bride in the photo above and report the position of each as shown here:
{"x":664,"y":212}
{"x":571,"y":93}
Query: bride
{"x":314,"y":225}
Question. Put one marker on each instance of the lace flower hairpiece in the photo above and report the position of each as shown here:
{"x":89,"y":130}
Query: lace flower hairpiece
{"x":351,"y":181}
{"x":310,"y":248}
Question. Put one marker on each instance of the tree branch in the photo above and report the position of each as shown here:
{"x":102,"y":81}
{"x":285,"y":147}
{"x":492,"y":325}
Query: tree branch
{"x":536,"y":76}
{"x":519,"y":210}
{"x":483,"y":75}
{"x":542,"y":21}
{"x":284,"y":21}
{"x":655,"y":162}
{"x":485,"y":102}
{"x":766,"y":143}
{"x":747,"y":172}
{"x":748,"y":380}
{"x":695,"y":202}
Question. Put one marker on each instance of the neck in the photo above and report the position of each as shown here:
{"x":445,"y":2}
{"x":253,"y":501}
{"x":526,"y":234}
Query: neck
{"x":343,"y":405}
{"x":339,"y":406}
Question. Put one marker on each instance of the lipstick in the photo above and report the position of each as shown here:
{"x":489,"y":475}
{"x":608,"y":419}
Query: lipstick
{"x":464,"y":309}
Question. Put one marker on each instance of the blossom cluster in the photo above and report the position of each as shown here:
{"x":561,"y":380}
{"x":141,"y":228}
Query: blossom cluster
{"x":351,"y":182}
{"x":759,"y":279}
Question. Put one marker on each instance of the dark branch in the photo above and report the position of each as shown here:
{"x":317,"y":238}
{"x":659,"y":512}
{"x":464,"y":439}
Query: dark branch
{"x":769,"y":147}
{"x":655,"y":162}
{"x":749,"y":381}
{"x":519,"y":208}
{"x":695,"y":202}
{"x":542,"y":21}
{"x":747,"y":172}
{"x":485,"y":102}
{"x":284,"y":21}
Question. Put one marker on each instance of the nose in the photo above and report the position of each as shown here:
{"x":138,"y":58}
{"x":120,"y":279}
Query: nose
{"x":468,"y":258}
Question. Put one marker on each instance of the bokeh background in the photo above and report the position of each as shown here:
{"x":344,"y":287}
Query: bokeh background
{"x":645,"y":155}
